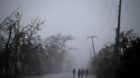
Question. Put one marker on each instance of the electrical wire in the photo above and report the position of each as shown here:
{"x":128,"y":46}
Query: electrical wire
{"x":107,"y":19}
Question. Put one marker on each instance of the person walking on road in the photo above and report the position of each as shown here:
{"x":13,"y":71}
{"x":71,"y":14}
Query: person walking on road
{"x":82,"y":73}
{"x":86,"y":72}
{"x":79,"y":73}
{"x":74,"y":71}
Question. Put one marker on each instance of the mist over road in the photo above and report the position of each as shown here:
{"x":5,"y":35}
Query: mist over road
{"x":61,"y":75}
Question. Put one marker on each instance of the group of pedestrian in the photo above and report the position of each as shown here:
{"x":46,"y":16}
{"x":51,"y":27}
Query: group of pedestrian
{"x":81,"y":73}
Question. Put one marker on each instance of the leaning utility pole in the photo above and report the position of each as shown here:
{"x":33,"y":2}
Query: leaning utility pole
{"x":93,"y":44}
{"x":90,"y":51}
{"x":117,"y":43}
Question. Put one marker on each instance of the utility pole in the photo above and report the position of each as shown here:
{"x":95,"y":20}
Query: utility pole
{"x":93,"y":44}
{"x":90,"y":52}
{"x":117,"y":43}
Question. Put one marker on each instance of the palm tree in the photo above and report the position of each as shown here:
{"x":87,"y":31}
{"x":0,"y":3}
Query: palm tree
{"x":125,"y":37}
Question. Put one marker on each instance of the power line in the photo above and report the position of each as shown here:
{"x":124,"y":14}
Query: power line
{"x":108,"y":17}
{"x":103,"y":17}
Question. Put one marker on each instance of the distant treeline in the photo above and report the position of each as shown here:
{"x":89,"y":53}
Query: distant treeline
{"x":104,"y":66}
{"x":23,"y":52}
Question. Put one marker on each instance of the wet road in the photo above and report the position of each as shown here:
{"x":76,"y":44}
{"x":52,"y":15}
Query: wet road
{"x":62,"y":75}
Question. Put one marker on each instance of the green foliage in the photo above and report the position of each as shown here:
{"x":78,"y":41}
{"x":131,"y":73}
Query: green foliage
{"x":56,"y":48}
{"x":129,"y":60}
{"x":18,"y":46}
{"x":104,"y":66}
{"x":22,"y":51}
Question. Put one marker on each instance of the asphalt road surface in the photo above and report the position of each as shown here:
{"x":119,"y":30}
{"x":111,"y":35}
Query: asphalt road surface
{"x":62,"y":75}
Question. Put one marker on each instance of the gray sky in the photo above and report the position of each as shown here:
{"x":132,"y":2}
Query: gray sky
{"x":79,"y":18}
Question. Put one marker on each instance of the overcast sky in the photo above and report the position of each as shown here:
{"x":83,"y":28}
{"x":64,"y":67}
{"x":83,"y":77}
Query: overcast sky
{"x":79,"y":18}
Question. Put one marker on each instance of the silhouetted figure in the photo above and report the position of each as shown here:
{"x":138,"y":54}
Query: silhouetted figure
{"x":82,"y":73}
{"x":79,"y":73}
{"x":74,"y":71}
{"x":86,"y":72}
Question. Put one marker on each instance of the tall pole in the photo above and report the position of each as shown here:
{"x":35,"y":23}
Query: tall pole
{"x":117,"y":43}
{"x":90,"y":53}
{"x":93,"y":44}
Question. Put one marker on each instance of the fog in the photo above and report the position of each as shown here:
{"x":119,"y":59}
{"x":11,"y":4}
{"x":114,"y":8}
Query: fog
{"x":78,"y":18}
